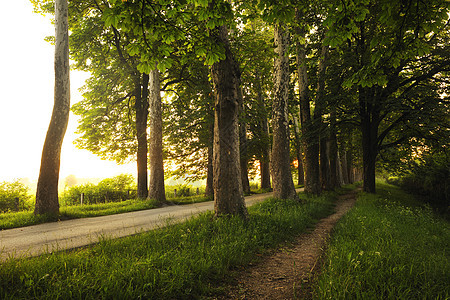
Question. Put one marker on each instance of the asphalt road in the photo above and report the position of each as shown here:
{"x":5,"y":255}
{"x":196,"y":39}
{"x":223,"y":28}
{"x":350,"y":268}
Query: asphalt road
{"x":62,"y":235}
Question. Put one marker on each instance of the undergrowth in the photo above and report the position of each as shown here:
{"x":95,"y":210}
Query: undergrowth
{"x":388,"y":246}
{"x":179,"y":261}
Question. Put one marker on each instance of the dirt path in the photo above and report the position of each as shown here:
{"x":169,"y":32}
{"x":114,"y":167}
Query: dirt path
{"x":287,"y":273}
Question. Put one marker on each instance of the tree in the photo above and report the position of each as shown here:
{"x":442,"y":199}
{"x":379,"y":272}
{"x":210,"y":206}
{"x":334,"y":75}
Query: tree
{"x":283,"y":185}
{"x":397,"y":47}
{"x":255,"y":56}
{"x":115,"y":105}
{"x":47,"y":186}
{"x":188,"y":137}
{"x":228,"y":193}
{"x":309,"y":132}
{"x":156,"y":183}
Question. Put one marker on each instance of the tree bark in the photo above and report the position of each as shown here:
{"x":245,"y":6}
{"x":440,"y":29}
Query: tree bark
{"x":344,"y":167}
{"x":264,"y":159}
{"x":156,"y":188}
{"x":283,"y":186}
{"x":369,"y":115}
{"x":228,"y":193}
{"x":47,"y":186}
{"x":244,"y":157}
{"x":310,"y":140}
{"x":324,"y":162}
{"x":324,"y":132}
{"x":141,"y":106}
{"x":209,"y":190}
{"x":243,"y":145}
{"x":349,"y":159}
{"x":335,"y":179}
{"x":298,"y":152}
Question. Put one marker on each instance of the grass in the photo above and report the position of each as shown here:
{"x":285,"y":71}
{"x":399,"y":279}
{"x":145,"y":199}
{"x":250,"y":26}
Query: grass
{"x":180,"y":261}
{"x":388,"y":247}
{"x":26,"y":218}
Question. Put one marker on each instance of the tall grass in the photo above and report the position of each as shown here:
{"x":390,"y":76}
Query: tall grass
{"x":387,"y":247}
{"x":180,"y":261}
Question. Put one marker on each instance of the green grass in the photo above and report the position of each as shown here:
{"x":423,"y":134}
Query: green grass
{"x":189,"y":199}
{"x":180,"y":261}
{"x":25,"y":218}
{"x":387,"y":247}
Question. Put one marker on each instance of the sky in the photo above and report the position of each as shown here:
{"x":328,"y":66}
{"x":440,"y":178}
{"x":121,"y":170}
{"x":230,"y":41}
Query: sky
{"x":26,"y":100}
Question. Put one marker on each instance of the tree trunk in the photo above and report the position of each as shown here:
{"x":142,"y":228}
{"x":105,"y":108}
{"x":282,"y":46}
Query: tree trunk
{"x":243,"y":144}
{"x":244,"y":159}
{"x":369,"y":158}
{"x":310,"y":141}
{"x":324,"y":162}
{"x":349,"y":159}
{"x":264,"y":159}
{"x":47,"y":186}
{"x":141,"y":106}
{"x":298,"y":152}
{"x":283,"y":186}
{"x":369,"y":115}
{"x":324,"y":139}
{"x":344,"y":167}
{"x":228,"y":193}
{"x":335,"y":179}
{"x":209,"y":190}
{"x":156,"y":188}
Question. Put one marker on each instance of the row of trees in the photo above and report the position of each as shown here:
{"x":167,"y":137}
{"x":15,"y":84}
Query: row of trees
{"x":250,"y":80}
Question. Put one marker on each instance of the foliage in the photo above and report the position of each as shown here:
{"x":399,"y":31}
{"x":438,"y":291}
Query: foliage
{"x":188,"y":118}
{"x":430,"y":177}
{"x":178,"y":261}
{"x":113,"y":189}
{"x":9,"y":192}
{"x":387,"y":247}
{"x":183,"y":190}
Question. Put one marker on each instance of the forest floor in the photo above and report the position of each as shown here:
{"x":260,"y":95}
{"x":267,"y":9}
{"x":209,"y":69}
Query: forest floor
{"x":288,"y":272}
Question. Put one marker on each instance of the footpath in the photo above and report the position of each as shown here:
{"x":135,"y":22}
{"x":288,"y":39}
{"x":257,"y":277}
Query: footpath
{"x":289,"y":272}
{"x":62,"y":235}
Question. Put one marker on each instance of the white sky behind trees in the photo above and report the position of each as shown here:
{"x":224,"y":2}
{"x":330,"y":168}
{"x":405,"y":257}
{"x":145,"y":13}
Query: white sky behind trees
{"x":26,"y":100}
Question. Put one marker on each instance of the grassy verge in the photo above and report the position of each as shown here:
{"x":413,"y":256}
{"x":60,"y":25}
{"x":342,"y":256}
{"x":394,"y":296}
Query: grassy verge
{"x":387,"y":247}
{"x":27,"y":218}
{"x":175,"y":262}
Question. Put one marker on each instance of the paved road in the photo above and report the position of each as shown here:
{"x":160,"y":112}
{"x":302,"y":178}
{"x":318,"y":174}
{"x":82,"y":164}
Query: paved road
{"x":50,"y":237}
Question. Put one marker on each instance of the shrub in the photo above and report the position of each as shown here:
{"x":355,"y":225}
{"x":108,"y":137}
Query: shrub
{"x":183,"y":190}
{"x":430,"y":178}
{"x":9,"y":192}
{"x":113,"y":189}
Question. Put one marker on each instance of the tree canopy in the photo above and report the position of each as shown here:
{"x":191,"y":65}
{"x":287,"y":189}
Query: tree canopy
{"x":359,"y":84}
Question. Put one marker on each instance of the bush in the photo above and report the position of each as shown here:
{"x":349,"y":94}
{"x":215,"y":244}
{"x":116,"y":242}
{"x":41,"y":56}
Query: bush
{"x":183,"y":190}
{"x":113,"y":189}
{"x":430,"y":178}
{"x":9,"y":192}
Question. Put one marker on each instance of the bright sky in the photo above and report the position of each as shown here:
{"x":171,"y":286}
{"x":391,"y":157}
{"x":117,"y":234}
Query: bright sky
{"x":26,"y":100}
